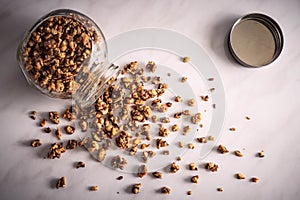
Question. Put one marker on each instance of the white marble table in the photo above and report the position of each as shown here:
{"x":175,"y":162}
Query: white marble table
{"x":270,"y":96}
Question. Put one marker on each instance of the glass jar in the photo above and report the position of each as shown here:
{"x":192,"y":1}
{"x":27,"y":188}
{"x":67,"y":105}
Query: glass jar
{"x":64,"y":55}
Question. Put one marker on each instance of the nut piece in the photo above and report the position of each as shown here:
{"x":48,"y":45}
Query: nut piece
{"x":261,"y":154}
{"x":202,"y":140}
{"x":43,"y":122}
{"x":36,"y":143}
{"x":94,"y":188}
{"x":254,"y":179}
{"x":69,"y":129}
{"x":174,"y":168}
{"x":240,"y":176}
{"x":136,"y":188}
{"x":177,"y":115}
{"x":142,"y":171}
{"x":192,"y":166}
{"x":80,"y":165}
{"x":196,"y":118}
{"x":191,"y":102}
{"x":205,"y":98}
{"x":185,"y":59}
{"x":222,"y":149}
{"x":175,"y":128}
{"x":54,"y":117}
{"x":163,"y":132}
{"x":238,"y":153}
{"x":61,"y":183}
{"x":220,"y":189}
{"x":195,"y":179}
{"x":165,"y":190}
{"x":212,"y":167}
{"x":157,"y":174}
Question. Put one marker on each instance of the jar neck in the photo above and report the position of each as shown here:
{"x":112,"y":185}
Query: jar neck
{"x":95,"y":84}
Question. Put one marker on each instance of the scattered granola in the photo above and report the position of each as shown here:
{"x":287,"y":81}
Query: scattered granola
{"x":202,"y":140}
{"x":261,"y":154}
{"x":80,"y":165}
{"x":61,"y":183}
{"x":254,"y":179}
{"x":157,"y":174}
{"x":56,"y":150}
{"x":165,"y":120}
{"x":184,"y":79}
{"x":94,"y":188}
{"x":163,"y":132}
{"x":142,"y":171}
{"x":185,"y":59}
{"x":54,"y":117}
{"x":177,"y":115}
{"x":58,"y":133}
{"x":240,"y":176}
{"x":192,"y":166}
{"x":232,"y":129}
{"x":151,"y":66}
{"x":191,"y":146}
{"x":175,"y":128}
{"x":222,"y":149}
{"x":47,"y":130}
{"x":69,"y":129}
{"x":191,"y":102}
{"x":220,"y":189}
{"x":186,"y":129}
{"x":165,"y":190}
{"x":36,"y":143}
{"x":161,"y":143}
{"x":136,"y":188}
{"x":196,"y":118}
{"x":195,"y":179}
{"x":205,"y":98}
{"x":43,"y":122}
{"x":174,"y":168}
{"x":212,"y":167}
{"x":238,"y":153}
{"x":33,"y":115}
{"x":178,"y":99}
{"x":72,"y":144}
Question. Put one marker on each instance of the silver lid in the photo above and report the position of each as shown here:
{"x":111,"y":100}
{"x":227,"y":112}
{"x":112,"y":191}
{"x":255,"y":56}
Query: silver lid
{"x":255,"y":40}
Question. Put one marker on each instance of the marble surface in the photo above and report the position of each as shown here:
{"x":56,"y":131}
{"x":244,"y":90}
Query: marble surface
{"x":270,"y":96}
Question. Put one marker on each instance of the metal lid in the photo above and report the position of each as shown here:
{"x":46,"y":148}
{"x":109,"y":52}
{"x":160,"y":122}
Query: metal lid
{"x":255,"y":40}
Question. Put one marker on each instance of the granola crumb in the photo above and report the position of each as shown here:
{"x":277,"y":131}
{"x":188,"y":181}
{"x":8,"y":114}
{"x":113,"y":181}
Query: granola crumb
{"x":54,"y":117}
{"x":180,"y":144}
{"x":47,"y":130}
{"x":136,"y":188}
{"x":185,"y":59}
{"x":191,"y":146}
{"x":174,"y":168}
{"x":169,"y":74}
{"x":212,"y":167}
{"x":120,"y":178}
{"x":210,"y":79}
{"x":178,"y":158}
{"x":36,"y":143}
{"x":195,"y":119}
{"x":69,"y":129}
{"x":202,"y":140}
{"x":184,"y":79}
{"x":175,"y":128}
{"x":61,"y":183}
{"x":161,"y":143}
{"x":178,"y":99}
{"x":232,"y":129}
{"x":212,"y":89}
{"x":195,"y":179}
{"x":261,"y":154}
{"x":165,"y":190}
{"x":247,"y":117}
{"x":166,"y":152}
{"x":58,"y":133}
{"x":240,"y":176}
{"x":80,"y":165}
{"x":142,"y":171}
{"x":157,"y":174}
{"x":33,"y":115}
{"x":94,"y":188}
{"x":214,"y":106}
{"x":151,"y":66}
{"x":191,"y":102}
{"x":211,"y":138}
{"x":43,"y":122}
{"x":177,"y":115}
{"x":222,"y":149}
{"x":238,"y":153}
{"x":192,"y":166}
{"x":189,"y":192}
{"x":254,"y":179}
{"x":220,"y":189}
{"x":205,"y":97}
{"x":186,"y":112}
{"x":186,"y":129}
